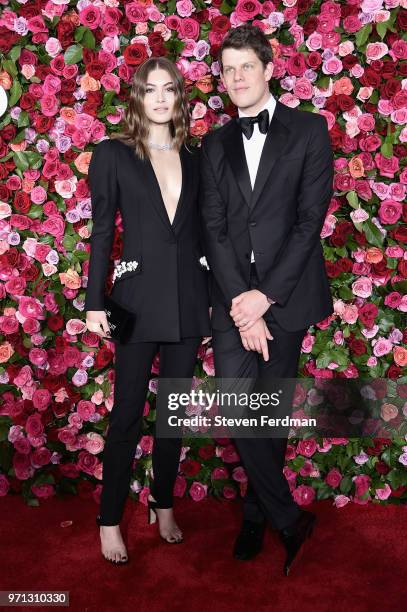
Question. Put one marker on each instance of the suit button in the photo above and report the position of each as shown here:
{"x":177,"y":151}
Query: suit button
{"x":252,"y":223}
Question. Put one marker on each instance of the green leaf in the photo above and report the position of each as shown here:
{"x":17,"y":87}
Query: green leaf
{"x":23,"y":119}
{"x":15,"y":53}
{"x":73,"y":54}
{"x":381,"y":28}
{"x":372,"y":233}
{"x":363,"y":35}
{"x":10,"y":67}
{"x":20,"y":160}
{"x":345,"y":484}
{"x":386,"y":149}
{"x":15,"y":93}
{"x":352,"y":198}
{"x":88,"y":39}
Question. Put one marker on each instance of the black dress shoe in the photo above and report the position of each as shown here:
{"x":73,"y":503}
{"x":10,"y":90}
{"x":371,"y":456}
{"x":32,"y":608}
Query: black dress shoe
{"x":249,"y":542}
{"x":295,"y":535}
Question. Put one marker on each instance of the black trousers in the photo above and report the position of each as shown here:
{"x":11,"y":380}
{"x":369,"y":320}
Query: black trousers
{"x":268,"y":496}
{"x":132,"y":373}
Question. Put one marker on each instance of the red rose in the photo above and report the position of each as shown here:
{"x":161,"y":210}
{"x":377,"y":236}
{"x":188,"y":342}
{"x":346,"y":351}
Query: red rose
{"x":345,"y":103}
{"x":394,"y":372}
{"x":399,"y":234}
{"x":103,"y":357}
{"x":314,"y":60}
{"x":95,"y":69}
{"x":221,"y":23}
{"x":296,"y":65}
{"x":135,"y":54}
{"x":55,"y":322}
{"x":207,"y":451}
{"x":382,"y":468}
{"x":358,"y":347}
{"x":8,"y":132}
{"x":190,"y":467}
{"x":22,"y":202}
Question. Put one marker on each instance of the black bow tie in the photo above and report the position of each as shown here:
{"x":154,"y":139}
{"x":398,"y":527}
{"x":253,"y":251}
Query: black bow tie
{"x":247,"y":123}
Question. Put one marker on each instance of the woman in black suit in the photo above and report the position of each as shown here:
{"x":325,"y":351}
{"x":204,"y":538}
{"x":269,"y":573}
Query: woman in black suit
{"x":150,"y":174}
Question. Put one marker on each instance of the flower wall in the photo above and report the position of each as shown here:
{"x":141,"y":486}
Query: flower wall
{"x":65,"y":75}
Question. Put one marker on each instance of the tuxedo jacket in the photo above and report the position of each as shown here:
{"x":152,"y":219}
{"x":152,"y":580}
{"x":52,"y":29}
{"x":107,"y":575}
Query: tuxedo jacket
{"x":280,"y":219}
{"x":160,"y":277}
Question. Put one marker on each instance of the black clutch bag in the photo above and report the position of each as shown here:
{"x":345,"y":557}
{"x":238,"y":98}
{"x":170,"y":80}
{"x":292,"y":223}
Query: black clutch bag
{"x":121,"y":322}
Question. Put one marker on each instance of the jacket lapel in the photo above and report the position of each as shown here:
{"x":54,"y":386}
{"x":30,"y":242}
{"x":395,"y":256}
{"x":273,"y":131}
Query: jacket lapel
{"x":156,"y":196}
{"x":275,"y":145}
{"x":234,"y":149}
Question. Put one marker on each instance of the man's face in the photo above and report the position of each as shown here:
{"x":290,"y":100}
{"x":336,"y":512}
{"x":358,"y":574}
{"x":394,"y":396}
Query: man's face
{"x":245,"y":78}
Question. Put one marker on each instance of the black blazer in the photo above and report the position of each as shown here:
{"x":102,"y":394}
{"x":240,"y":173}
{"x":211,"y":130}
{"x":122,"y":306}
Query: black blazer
{"x":280,"y":219}
{"x":159,"y":277}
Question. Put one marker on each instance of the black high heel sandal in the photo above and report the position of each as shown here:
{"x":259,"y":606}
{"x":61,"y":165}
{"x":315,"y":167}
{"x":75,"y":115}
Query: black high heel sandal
{"x":121,"y":561}
{"x":152,"y":518}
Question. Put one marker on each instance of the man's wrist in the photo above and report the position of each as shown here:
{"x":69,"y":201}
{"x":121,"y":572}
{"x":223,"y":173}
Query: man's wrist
{"x":268,"y":298}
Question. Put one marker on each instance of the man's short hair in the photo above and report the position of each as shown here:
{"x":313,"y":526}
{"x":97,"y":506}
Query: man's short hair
{"x":247,"y":36}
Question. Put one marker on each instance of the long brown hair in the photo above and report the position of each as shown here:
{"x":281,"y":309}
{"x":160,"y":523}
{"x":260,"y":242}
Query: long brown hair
{"x":136,"y":124}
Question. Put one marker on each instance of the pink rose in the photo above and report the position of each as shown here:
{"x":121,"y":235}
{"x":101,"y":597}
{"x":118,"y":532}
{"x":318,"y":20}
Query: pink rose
{"x":189,"y":28}
{"x":383,"y":493}
{"x":49,"y":105}
{"x":208,"y":363}
{"x":390,"y":211}
{"x":362,"y":287}
{"x":90,"y":16}
{"x":307,"y":447}
{"x":219,"y":473}
{"x":341,"y":500}
{"x":198,"y":491}
{"x":41,"y":399}
{"x":85,"y":409}
{"x":228,"y":492}
{"x":307,"y":343}
{"x":184,"y":8}
{"x":33,"y":425}
{"x":333,"y":478}
{"x":239,"y":474}
{"x":382,"y":346}
{"x":304,"y":495}
{"x":247,"y":9}
{"x":362,"y":483}
{"x":146,"y":444}
{"x":386,"y":166}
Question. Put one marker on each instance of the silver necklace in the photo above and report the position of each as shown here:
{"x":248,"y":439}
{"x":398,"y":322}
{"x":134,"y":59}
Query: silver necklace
{"x":164,"y":147}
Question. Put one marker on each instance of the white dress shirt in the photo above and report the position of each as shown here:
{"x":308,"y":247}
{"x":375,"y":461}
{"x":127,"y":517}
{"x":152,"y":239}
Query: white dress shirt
{"x":253,"y":146}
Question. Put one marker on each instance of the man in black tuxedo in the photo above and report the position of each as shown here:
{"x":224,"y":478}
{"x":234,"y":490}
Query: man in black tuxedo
{"x":266,"y":186}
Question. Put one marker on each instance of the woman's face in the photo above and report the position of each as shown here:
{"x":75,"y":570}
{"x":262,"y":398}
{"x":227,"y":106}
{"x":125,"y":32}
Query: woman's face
{"x":159,"y":98}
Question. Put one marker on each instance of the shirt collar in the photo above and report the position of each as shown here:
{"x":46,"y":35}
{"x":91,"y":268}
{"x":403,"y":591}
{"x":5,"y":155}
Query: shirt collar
{"x":270,"y":105}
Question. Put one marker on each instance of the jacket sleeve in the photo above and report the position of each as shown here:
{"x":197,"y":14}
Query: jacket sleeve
{"x":219,"y":249}
{"x":313,"y":201}
{"x":103,"y":187}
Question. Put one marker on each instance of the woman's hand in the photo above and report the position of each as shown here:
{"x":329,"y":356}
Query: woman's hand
{"x":96,"y":321}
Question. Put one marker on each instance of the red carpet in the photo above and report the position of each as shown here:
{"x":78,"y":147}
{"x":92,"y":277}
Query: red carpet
{"x":354,"y":562}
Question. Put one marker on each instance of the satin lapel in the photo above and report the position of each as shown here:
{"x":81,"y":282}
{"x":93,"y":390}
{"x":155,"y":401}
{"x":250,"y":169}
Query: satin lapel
{"x":234,"y":150}
{"x":275,"y":145}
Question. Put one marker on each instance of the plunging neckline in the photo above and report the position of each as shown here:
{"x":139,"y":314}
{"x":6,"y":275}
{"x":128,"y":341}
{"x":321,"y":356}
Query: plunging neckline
{"x":159,"y":188}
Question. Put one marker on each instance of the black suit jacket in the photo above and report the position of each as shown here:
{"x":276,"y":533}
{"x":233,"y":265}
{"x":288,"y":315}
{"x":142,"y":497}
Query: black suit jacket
{"x":159,"y":277}
{"x":280,"y":219}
